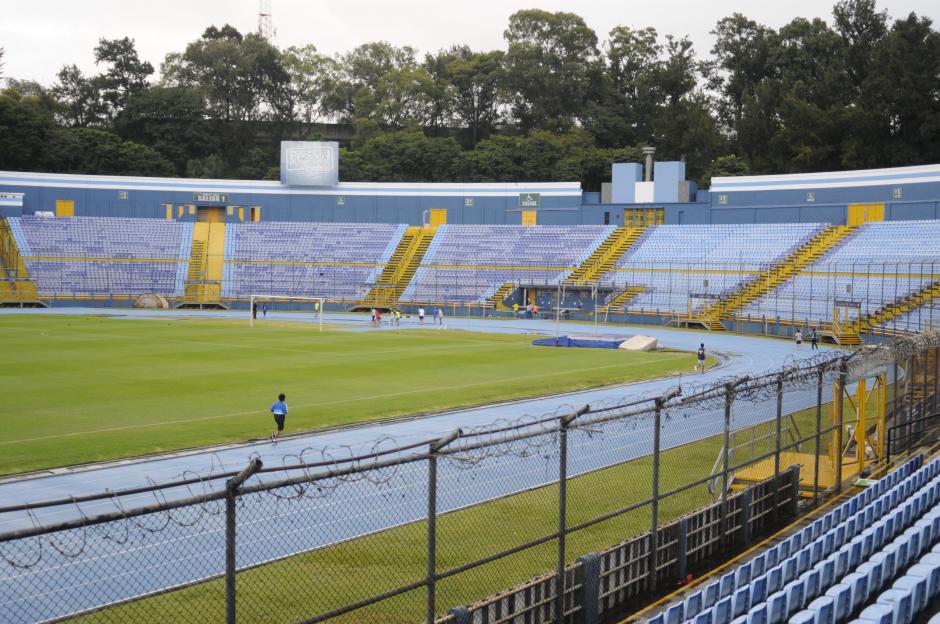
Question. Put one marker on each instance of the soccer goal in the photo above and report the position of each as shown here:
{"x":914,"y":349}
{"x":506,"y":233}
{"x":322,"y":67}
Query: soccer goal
{"x":257,"y":304}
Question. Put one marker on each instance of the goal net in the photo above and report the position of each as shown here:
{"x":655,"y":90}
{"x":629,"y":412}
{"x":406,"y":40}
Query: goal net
{"x":260,"y":305}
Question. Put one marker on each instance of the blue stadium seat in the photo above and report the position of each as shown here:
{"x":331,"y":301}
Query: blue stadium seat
{"x":841,"y":595}
{"x":692,"y":605}
{"x":775,"y":579}
{"x":742,"y":576}
{"x":929,"y":570}
{"x":810,"y":581}
{"x":824,"y":609}
{"x":759,"y":589}
{"x":803,"y":617}
{"x":758,"y":615}
{"x":859,"y":584}
{"x":887,"y":560}
{"x":675,"y":614}
{"x":877,"y":614}
{"x":900,"y":601}
{"x":759,"y":565}
{"x":705,"y":617}
{"x":917,"y":586}
{"x":710,"y":594}
{"x":722,"y":612}
{"x":827,"y":572}
{"x":741,"y":601}
{"x":796,"y":597}
{"x":873,"y":570}
{"x":727,"y":585}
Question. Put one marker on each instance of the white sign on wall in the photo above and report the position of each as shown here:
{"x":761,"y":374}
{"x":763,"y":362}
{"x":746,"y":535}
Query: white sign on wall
{"x":309,"y":163}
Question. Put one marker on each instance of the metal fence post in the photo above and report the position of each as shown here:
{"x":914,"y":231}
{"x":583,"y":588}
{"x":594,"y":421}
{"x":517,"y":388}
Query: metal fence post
{"x":231,"y":493}
{"x":838,"y":406}
{"x":654,"y":519}
{"x":723,"y":524}
{"x":590,"y":566}
{"x":819,"y":391}
{"x":565,"y":421}
{"x":779,"y":423}
{"x":433,"y":450}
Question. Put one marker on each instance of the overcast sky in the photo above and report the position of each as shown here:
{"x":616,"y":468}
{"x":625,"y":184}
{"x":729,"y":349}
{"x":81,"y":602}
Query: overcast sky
{"x":42,"y":35}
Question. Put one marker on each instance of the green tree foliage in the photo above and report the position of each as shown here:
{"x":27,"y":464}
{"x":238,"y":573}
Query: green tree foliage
{"x":25,"y":127}
{"x":552,"y":65}
{"x":859,"y":90}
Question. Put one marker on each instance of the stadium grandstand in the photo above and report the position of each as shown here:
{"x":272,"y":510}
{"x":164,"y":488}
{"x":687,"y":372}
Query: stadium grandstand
{"x":786,"y":486}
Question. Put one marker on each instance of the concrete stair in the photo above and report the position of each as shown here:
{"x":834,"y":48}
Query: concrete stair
{"x":765,"y":282}
{"x":605,"y":256}
{"x":16,"y":286}
{"x":204,"y":278}
{"x":401,"y":267}
{"x":901,"y":306}
{"x":619,"y":298}
{"x":500,"y":295}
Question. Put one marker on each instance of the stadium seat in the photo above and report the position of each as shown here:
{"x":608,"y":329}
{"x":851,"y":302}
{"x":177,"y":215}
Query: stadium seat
{"x":877,"y":614}
{"x":901,"y":603}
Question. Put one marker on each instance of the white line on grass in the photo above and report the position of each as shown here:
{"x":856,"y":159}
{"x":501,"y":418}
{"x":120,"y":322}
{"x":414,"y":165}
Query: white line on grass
{"x":321,"y":404}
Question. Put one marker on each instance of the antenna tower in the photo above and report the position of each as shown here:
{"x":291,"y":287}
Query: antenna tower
{"x":265,"y":24}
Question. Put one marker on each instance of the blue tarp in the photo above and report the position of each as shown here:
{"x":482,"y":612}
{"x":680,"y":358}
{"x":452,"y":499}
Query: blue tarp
{"x":589,"y":342}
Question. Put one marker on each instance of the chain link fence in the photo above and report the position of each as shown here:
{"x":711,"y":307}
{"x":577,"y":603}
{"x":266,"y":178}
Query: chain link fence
{"x":584,"y":512}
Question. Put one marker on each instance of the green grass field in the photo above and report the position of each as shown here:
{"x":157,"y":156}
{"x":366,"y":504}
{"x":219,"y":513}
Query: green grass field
{"x":86,"y":388}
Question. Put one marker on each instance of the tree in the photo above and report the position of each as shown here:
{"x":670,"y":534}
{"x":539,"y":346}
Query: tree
{"x":861,"y":28}
{"x":171,"y":120}
{"x":308,"y":70}
{"x":88,"y":150}
{"x":475,"y":91}
{"x":80,"y":98}
{"x":24,"y":128}
{"x":357,"y":74}
{"x":552,"y":66}
{"x":903,"y":92}
{"x":126,"y":74}
{"x":741,"y":52}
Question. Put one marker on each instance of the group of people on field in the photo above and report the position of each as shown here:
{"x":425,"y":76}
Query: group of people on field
{"x":531,"y":310}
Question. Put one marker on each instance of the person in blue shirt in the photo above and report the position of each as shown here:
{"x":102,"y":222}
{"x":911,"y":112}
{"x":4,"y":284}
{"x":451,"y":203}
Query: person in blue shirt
{"x":279,"y":409}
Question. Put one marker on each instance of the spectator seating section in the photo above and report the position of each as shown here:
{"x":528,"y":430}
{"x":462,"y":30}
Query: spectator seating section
{"x":879,"y":264}
{"x":672,"y":261}
{"x":835,"y":566}
{"x":468,"y":263}
{"x":104,"y":256}
{"x":331,"y":260}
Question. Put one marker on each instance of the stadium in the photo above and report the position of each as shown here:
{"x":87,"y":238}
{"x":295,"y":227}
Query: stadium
{"x":713,"y":463}
{"x":525,"y":402}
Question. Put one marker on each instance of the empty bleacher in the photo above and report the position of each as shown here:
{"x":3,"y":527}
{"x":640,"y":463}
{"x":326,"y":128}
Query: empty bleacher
{"x":673,"y":261}
{"x":468,"y":263}
{"x":879,"y":264}
{"x":331,"y":260}
{"x":101,"y":257}
{"x":875,"y":556}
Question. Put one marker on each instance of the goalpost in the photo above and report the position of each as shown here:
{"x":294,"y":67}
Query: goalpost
{"x":259,"y":300}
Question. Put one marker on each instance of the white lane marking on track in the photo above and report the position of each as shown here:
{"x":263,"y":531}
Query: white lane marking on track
{"x":321,"y":404}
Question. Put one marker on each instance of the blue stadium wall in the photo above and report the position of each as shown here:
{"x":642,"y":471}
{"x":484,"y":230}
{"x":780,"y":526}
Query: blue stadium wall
{"x":908,"y":193}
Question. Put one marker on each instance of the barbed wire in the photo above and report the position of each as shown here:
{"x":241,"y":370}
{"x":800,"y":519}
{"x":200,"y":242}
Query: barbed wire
{"x":319,"y":472}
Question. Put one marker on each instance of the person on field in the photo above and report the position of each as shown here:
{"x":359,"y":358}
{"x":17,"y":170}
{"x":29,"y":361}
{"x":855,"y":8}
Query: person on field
{"x":515,"y":310}
{"x":814,"y":340}
{"x":254,"y":310}
{"x":535,"y":311}
{"x":439,"y":316}
{"x":421,"y":315}
{"x":264,"y":310}
{"x":279,"y":409}
{"x":700,"y":361}
{"x":798,"y":336}
{"x":373,"y":317}
{"x":378,"y":318}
